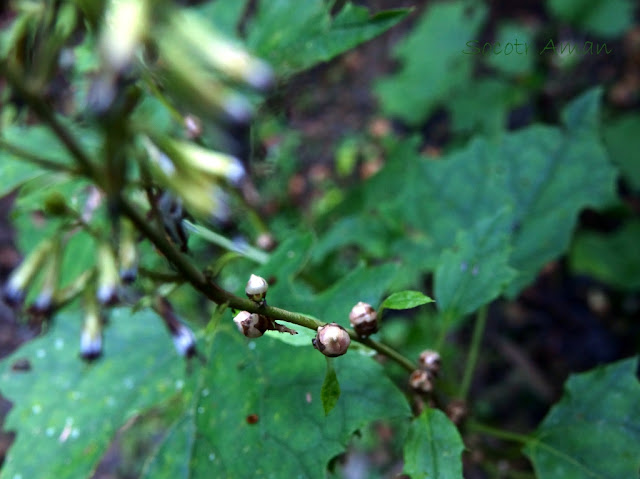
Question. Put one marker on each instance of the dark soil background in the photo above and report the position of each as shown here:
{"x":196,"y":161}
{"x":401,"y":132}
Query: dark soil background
{"x":559,"y":325}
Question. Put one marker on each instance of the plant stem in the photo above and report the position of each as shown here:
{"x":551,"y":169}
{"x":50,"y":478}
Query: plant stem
{"x":472,"y":359}
{"x":216,"y":294}
{"x":499,"y":433}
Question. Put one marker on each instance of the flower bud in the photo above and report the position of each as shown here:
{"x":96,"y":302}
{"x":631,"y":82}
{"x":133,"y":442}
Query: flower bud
{"x":364,"y":319}
{"x":182,"y":336}
{"x":252,"y":325}
{"x":108,"y":278}
{"x":421,"y":380}
{"x":91,"y":336}
{"x":23,"y":275}
{"x":332,"y":340}
{"x":430,"y":361}
{"x":127,"y":252}
{"x":122,"y":31}
{"x":256,"y":289}
{"x":43,"y":304}
{"x":219,"y":53}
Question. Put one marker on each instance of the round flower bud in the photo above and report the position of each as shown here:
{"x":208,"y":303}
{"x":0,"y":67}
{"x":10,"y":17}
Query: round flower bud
{"x":430,"y":361}
{"x":421,"y":380}
{"x":364,"y":319}
{"x":252,"y":325}
{"x":332,"y":340}
{"x":256,"y":289}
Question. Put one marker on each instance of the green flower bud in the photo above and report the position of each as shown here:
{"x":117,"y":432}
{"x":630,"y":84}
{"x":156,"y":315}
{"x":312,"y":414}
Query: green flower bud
{"x":128,"y":252}
{"x":44,"y":303}
{"x":219,"y":53}
{"x":108,"y":278}
{"x":123,"y":29}
{"x":91,"y":335}
{"x":21,"y":277}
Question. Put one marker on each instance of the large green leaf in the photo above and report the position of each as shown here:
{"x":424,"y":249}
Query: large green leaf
{"x":594,"y":431}
{"x":476,"y":270}
{"x":257,"y":412}
{"x":612,"y":258}
{"x":66,"y":412}
{"x":433,"y":65}
{"x":605,"y":18}
{"x":544,"y":175}
{"x":433,"y":448}
{"x":311,"y":35}
{"x":622,"y":137}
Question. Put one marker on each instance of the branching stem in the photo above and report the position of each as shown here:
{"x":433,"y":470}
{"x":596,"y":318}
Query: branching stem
{"x":180,"y":261}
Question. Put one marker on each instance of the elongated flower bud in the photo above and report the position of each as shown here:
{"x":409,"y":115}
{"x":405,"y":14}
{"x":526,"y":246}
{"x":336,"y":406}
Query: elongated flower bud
{"x":91,"y":336}
{"x":108,"y":278}
{"x":256,"y":289}
{"x":44,"y":301}
{"x":122,"y":31}
{"x":75,"y":288}
{"x":201,"y":194}
{"x":22,"y":276}
{"x":182,"y":336}
{"x":128,"y":252}
{"x":220,"y":53}
{"x":208,"y":162}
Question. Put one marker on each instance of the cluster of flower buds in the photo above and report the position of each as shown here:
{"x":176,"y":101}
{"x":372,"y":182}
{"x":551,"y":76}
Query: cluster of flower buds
{"x":22,"y":277}
{"x":332,"y":340}
{"x":194,"y":173}
{"x":422,"y":379}
{"x":363,"y":319}
{"x":201,"y":66}
{"x":124,"y":29}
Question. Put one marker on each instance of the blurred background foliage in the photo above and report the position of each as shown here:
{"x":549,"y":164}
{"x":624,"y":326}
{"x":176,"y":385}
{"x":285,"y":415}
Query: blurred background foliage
{"x":387,"y":153}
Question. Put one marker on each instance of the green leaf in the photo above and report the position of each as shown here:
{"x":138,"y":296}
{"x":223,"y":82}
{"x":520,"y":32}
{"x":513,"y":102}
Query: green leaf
{"x":405,"y":300}
{"x":485,"y":107}
{"x":433,"y":65}
{"x":622,"y":137}
{"x":225,"y":15}
{"x":594,"y":430}
{"x":330,"y":392}
{"x":612,"y":258}
{"x":66,"y":412}
{"x":513,"y":59}
{"x":606,"y":18}
{"x":476,"y":270}
{"x":311,"y":36}
{"x":433,"y":448}
{"x":256,"y":412}
{"x":545,"y":175}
